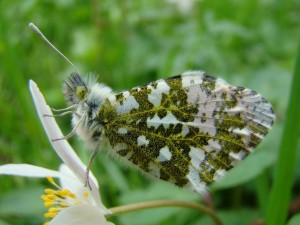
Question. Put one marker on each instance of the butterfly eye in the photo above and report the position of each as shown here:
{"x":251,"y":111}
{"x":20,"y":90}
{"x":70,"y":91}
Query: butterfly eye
{"x":81,"y":92}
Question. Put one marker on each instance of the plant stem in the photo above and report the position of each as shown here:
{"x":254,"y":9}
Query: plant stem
{"x":166,"y":203}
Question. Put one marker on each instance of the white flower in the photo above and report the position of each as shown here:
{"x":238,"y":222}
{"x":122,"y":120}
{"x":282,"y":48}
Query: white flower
{"x":70,"y":202}
{"x":185,"y":6}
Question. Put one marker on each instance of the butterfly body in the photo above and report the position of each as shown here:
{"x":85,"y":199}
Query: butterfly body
{"x":188,"y":130}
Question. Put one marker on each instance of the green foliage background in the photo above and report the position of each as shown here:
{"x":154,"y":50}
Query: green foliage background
{"x":249,"y":43}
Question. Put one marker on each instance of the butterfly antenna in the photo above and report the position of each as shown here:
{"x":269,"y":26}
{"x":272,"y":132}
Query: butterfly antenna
{"x":36,"y":30}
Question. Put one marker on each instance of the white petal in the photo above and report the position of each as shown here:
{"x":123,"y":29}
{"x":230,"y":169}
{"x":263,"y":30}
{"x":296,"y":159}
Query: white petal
{"x":62,"y":147}
{"x":80,"y":214}
{"x":78,"y":189}
{"x":27,"y":170}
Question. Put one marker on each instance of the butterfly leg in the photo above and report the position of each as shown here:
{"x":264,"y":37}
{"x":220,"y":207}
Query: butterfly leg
{"x":88,"y":167}
{"x":65,"y":111}
{"x":72,"y":107}
{"x":60,"y":114}
{"x":72,"y":132}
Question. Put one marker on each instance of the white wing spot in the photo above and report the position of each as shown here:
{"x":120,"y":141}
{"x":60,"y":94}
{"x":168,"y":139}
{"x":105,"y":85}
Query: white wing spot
{"x":164,"y":154}
{"x":235,"y":110}
{"x":141,"y":140}
{"x":156,"y":93}
{"x":244,"y":132}
{"x":185,"y":130}
{"x":195,"y":183}
{"x":197,"y":156}
{"x":237,"y":156}
{"x":129,"y":103}
{"x":221,"y":87}
{"x":122,"y":130}
{"x":192,"y":77}
{"x":166,"y":121}
{"x":213,"y":145}
{"x":219,"y":174}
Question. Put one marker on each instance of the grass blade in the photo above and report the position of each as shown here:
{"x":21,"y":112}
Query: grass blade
{"x":281,"y":191}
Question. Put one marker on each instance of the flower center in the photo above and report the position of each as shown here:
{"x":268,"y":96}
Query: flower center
{"x":58,"y":199}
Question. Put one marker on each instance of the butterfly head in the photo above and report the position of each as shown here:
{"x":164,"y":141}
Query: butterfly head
{"x":80,"y":91}
{"x":75,"y":89}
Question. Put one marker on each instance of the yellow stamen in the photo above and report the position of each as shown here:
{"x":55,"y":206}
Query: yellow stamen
{"x":48,"y":204}
{"x":66,"y":192}
{"x":64,"y":205}
{"x":60,"y":193}
{"x":44,"y":197}
{"x":49,"y":191}
{"x":51,"y":197}
{"x":54,"y":209}
{"x":50,"y":179}
{"x":49,"y":215}
{"x":59,"y":199}
{"x":72,"y":195}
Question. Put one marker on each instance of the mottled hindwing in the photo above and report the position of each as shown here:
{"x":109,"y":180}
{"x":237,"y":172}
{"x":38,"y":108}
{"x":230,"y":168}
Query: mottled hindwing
{"x":188,"y":129}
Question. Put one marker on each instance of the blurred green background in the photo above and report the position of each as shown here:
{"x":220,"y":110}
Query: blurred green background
{"x":249,"y":43}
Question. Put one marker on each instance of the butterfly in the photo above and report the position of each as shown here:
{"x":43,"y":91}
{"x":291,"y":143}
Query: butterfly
{"x":188,"y":129}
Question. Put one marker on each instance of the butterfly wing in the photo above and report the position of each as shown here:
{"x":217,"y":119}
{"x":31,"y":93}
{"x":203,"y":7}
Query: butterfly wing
{"x":188,"y":129}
